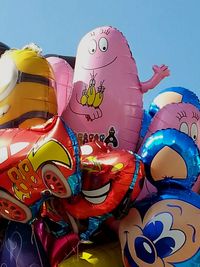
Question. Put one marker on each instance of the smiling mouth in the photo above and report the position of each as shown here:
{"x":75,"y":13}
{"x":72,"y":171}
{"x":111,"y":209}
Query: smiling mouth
{"x":101,"y":66}
{"x":97,"y":196}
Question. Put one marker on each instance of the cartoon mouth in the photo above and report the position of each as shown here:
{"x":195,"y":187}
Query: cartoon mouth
{"x":97,"y":196}
{"x":4,"y":110}
{"x":101,"y":66}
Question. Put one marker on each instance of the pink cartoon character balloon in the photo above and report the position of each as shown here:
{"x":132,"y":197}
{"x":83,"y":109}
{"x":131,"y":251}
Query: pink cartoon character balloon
{"x":183,"y":117}
{"x":106,"y":102}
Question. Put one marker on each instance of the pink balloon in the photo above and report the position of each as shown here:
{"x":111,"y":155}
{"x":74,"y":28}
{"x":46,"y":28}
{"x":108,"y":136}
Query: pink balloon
{"x":106,"y":102}
{"x":57,"y":248}
{"x":64,"y":75}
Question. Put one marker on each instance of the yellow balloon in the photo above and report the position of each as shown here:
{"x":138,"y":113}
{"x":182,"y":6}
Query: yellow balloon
{"x":27,"y":88}
{"x":107,"y":255}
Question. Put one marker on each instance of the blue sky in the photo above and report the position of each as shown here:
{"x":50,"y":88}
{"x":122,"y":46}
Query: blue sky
{"x":157,"y":31}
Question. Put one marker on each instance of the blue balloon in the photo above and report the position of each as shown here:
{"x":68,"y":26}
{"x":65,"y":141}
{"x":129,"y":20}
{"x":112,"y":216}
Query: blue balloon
{"x":163,"y":230}
{"x":185,"y":150}
{"x":187,"y":97}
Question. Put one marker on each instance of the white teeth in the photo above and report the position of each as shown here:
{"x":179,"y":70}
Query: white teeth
{"x":96,"y":200}
{"x":97,"y":192}
{"x":97,"y":196}
{"x":4,"y":110}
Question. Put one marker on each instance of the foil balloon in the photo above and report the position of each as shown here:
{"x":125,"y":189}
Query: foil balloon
{"x":106,"y":255}
{"x":111,"y":180}
{"x":173,"y":95}
{"x":165,"y":97}
{"x":36,"y":164}
{"x":57,"y":248}
{"x":69,"y":59}
{"x":26,"y":77}
{"x":3,"y":48}
{"x":22,"y":248}
{"x":171,"y":156}
{"x":106,"y":102}
{"x":163,"y":230}
{"x":183,"y":117}
{"x":63,"y":75}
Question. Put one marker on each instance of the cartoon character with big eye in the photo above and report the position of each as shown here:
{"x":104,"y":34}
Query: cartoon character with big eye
{"x":26,"y":77}
{"x":117,"y":102}
{"x":167,"y":234}
{"x":182,"y":116}
{"x":163,"y":230}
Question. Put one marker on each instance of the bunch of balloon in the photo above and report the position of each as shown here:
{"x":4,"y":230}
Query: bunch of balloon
{"x":177,"y":108}
{"x":106,"y":79}
{"x":163,"y":230}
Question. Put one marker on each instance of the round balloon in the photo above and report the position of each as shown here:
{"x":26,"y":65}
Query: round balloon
{"x":106,"y":102}
{"x":171,"y":157}
{"x":173,"y":95}
{"x":27,"y":88}
{"x":63,"y":75}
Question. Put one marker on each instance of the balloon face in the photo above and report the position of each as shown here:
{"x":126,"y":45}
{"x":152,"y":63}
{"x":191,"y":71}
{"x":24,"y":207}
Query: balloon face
{"x":107,"y":178}
{"x":63,"y":76}
{"x":25,"y":77}
{"x":34,"y":169}
{"x":106,"y":102}
{"x":167,"y":234}
{"x":183,"y":117}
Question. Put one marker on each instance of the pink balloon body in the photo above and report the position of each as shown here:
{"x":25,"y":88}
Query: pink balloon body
{"x":183,"y":117}
{"x":106,"y":102}
{"x":64,"y":76}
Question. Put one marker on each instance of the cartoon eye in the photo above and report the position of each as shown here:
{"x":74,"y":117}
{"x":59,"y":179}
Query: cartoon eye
{"x":145,"y":250}
{"x":8,"y":77}
{"x":166,"y":240}
{"x":92,"y":47}
{"x":103,"y":44}
{"x":184,"y":128}
{"x":194,"y":131}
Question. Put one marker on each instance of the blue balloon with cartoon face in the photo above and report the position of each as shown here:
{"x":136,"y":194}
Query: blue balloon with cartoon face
{"x":164,"y":230}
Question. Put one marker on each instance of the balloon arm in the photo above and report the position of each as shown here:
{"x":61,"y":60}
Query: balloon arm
{"x":160,"y":72}
{"x":90,"y":113}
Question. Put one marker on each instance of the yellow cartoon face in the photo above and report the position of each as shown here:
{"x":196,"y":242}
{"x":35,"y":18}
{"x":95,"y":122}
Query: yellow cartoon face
{"x":25,"y":76}
{"x":168,"y":233}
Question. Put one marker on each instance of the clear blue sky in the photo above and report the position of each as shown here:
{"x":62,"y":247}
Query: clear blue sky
{"x":157,"y":31}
